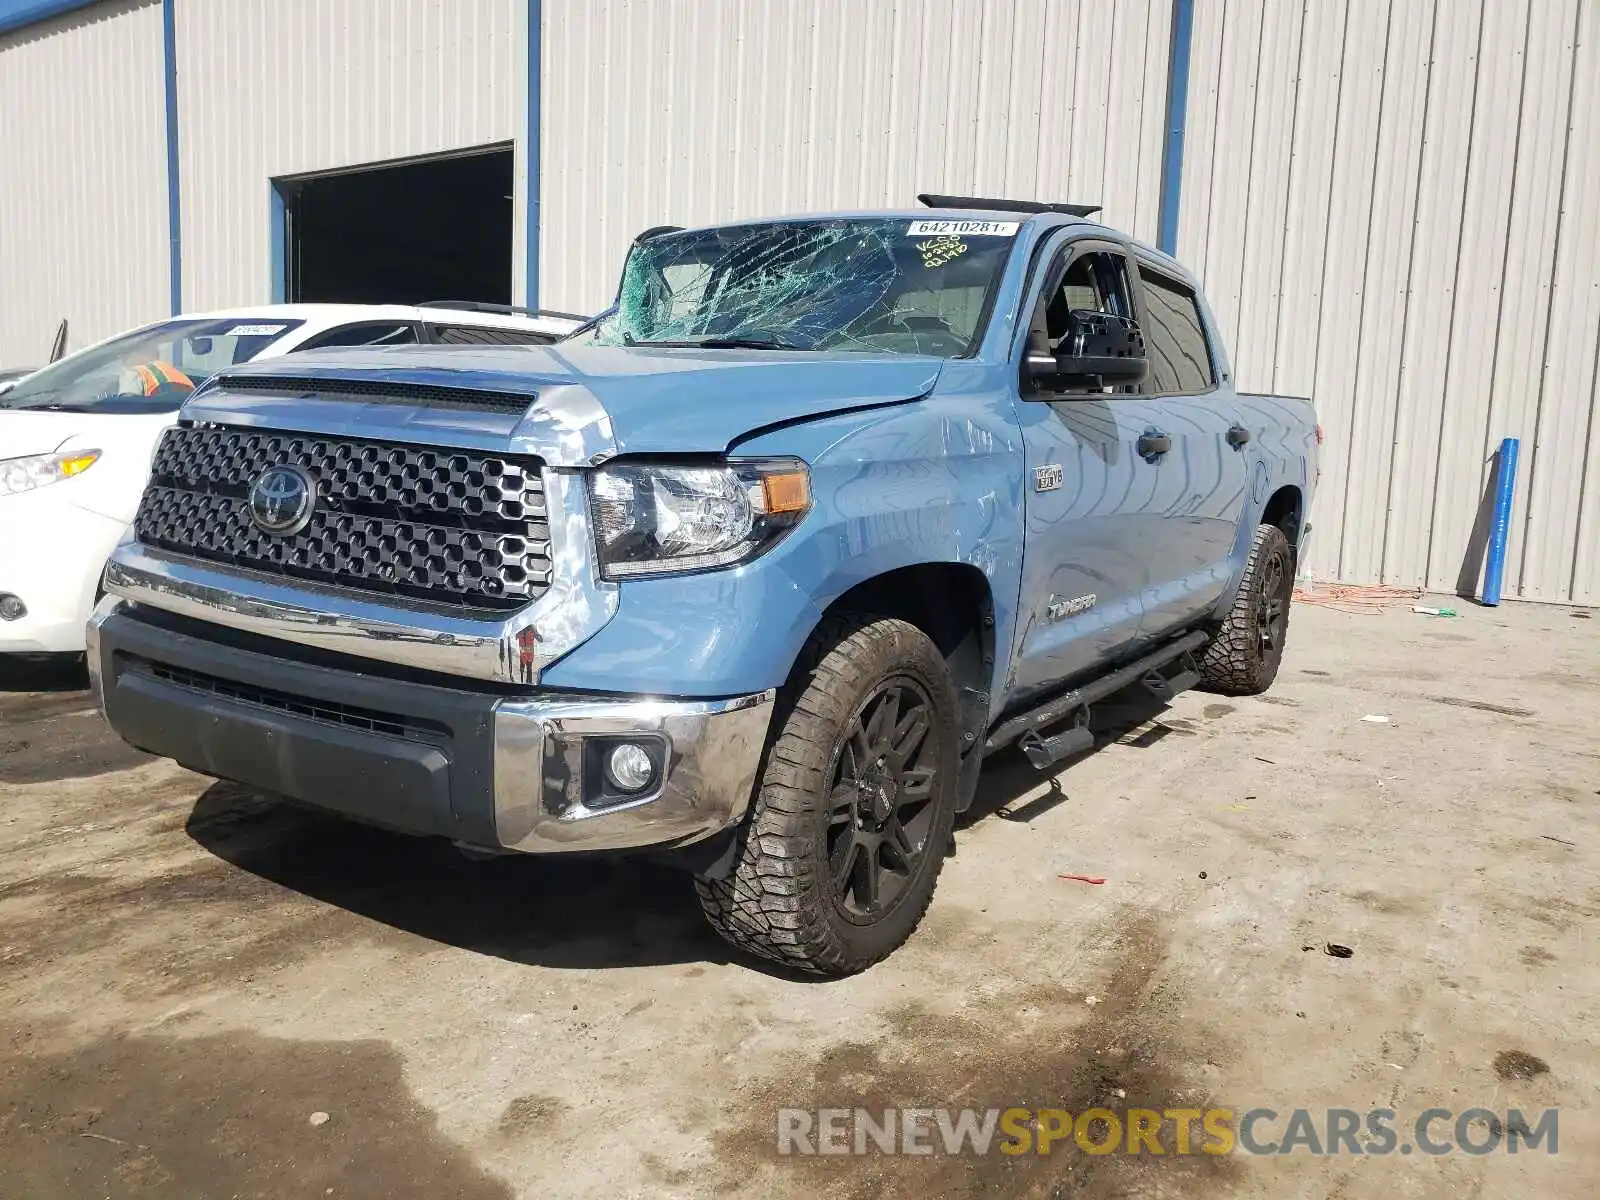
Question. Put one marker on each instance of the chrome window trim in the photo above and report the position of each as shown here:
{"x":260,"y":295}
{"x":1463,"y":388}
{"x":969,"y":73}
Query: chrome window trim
{"x":576,"y":606}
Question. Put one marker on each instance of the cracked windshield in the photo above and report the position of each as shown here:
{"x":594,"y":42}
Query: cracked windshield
{"x":875,"y":285}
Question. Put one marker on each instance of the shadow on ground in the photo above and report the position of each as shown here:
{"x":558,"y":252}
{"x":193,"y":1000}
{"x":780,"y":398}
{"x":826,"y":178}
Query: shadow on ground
{"x":570,"y":912}
{"x":1126,"y":718}
{"x":49,"y":727}
{"x":576,"y":913}
{"x":43,"y":673}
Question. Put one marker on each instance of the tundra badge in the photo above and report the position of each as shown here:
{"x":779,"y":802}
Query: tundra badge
{"x":1069,"y":608}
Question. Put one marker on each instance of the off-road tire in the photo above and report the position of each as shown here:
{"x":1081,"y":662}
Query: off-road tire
{"x":1243,"y":659}
{"x":780,"y":900}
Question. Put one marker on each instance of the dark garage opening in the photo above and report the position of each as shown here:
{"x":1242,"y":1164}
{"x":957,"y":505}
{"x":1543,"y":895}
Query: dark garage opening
{"x":433,"y":230}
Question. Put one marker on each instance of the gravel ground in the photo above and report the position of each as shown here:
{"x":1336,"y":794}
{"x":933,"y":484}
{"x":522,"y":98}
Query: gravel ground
{"x":189,"y":972}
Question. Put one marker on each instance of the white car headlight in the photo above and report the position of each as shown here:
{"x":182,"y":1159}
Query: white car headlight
{"x":654,"y":520}
{"x":25,"y":474}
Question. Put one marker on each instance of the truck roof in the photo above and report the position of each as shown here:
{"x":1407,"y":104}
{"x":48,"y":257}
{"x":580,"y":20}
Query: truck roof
{"x":1040,"y":220}
{"x":893,"y":214}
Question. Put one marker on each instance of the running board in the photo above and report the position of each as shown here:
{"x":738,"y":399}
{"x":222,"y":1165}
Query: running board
{"x":1165,"y":687}
{"x":1043,"y":751}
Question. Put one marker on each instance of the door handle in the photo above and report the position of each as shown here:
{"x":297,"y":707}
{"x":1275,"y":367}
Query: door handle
{"x":1238,"y":435}
{"x":1152,"y":444}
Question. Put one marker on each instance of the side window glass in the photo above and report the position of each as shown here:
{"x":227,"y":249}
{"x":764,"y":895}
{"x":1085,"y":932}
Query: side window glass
{"x":387,"y":333}
{"x":1175,"y":339}
{"x":1097,"y":281}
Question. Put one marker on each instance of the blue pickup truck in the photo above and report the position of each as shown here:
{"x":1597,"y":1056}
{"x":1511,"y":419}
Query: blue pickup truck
{"x":750,"y":574}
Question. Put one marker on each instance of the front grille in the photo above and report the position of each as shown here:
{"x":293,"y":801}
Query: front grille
{"x":452,"y":527}
{"x":328,"y":711}
{"x":432,"y":395}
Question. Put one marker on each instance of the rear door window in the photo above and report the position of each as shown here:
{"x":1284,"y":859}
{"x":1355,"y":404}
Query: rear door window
{"x":1175,"y":338}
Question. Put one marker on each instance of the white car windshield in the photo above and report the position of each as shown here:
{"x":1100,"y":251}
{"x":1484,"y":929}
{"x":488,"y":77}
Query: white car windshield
{"x":151,"y":370}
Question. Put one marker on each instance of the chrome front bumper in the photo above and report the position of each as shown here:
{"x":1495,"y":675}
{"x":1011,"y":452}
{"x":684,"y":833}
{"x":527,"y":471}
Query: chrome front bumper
{"x":541,"y":801}
{"x":480,"y":768}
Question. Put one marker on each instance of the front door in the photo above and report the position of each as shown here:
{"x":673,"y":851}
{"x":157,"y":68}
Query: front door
{"x":1092,"y":499}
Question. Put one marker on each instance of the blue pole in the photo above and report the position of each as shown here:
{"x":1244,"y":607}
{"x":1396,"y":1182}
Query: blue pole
{"x":277,"y":264}
{"x":169,"y":54}
{"x":1177,"y":114}
{"x":1505,"y":489}
{"x":530,"y":286}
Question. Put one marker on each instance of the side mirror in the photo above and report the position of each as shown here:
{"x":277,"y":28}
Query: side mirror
{"x":1100,"y":350}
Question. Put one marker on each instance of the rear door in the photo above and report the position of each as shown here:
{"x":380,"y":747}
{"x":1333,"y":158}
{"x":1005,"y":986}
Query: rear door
{"x":1201,"y":481}
{"x":1091,"y":500}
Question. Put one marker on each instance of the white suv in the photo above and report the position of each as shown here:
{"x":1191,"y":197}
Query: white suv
{"x":76,"y":437}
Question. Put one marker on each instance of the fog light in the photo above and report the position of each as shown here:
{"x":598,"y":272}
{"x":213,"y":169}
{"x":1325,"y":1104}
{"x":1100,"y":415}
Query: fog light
{"x":629,"y":767}
{"x":12,"y":608}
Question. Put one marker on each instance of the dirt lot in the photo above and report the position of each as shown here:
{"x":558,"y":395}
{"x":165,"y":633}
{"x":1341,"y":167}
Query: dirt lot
{"x":188,"y":972}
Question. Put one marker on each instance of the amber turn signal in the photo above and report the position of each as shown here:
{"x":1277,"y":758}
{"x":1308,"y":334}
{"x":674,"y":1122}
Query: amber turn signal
{"x":786,"y":491}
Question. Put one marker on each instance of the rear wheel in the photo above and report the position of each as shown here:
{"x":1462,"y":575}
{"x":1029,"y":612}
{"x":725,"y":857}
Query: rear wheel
{"x":1243,"y":658}
{"x":839,"y":859}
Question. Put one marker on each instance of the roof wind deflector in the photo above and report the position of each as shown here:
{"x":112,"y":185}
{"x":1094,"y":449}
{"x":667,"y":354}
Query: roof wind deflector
{"x":483,"y":306}
{"x":1019,"y":206}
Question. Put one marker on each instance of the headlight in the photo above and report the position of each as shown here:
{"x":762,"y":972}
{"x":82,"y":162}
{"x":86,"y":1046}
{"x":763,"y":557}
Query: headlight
{"x":651,"y":520}
{"x":25,"y":474}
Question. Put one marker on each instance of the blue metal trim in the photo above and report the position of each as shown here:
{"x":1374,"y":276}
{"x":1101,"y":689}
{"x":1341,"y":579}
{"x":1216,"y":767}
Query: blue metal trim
{"x":1177,"y":113}
{"x":277,"y":265}
{"x":530,"y":156}
{"x":169,"y":51}
{"x":15,"y":16}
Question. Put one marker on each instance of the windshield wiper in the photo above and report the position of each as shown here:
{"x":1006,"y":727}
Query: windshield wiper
{"x":715,"y":343}
{"x":12,"y":400}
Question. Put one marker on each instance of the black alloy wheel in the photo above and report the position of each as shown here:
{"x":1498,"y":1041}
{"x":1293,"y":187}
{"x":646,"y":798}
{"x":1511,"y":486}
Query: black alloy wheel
{"x":881,"y":803}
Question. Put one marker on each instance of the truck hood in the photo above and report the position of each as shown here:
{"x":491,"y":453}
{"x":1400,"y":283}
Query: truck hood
{"x":586,"y":399}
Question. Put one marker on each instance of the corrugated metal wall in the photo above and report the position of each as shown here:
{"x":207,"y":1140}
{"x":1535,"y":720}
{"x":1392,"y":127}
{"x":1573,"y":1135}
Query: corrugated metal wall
{"x":83,"y":178}
{"x":268,"y":88}
{"x":656,"y":111}
{"x":1395,"y":205}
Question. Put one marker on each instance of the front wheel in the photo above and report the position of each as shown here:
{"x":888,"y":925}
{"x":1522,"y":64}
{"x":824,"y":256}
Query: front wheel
{"x":1243,"y":659}
{"x":839,"y":858}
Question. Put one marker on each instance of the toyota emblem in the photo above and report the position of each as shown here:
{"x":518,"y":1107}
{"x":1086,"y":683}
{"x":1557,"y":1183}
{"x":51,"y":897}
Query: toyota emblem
{"x":281,"y":500}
